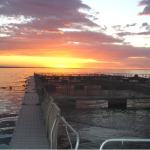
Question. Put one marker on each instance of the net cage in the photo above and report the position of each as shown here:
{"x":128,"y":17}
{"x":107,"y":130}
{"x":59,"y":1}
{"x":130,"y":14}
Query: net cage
{"x":78,"y":98}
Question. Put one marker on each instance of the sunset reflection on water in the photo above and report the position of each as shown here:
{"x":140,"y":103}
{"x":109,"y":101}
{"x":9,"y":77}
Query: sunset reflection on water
{"x":12,"y":89}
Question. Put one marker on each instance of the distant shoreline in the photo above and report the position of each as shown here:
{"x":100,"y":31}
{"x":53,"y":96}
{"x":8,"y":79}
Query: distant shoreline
{"x":74,"y":68}
{"x":48,"y":67}
{"x":23,"y":67}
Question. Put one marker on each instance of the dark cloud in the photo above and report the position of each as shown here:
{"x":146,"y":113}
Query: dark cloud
{"x":142,"y":33}
{"x":48,"y":22}
{"x":45,"y":39}
{"x":124,"y":33}
{"x":47,"y":14}
{"x":97,"y":13}
{"x":130,"y":25}
{"x":146,"y":10}
{"x":95,"y":19}
{"x":104,"y":28}
{"x":146,"y":25}
{"x":117,"y":28}
{"x":38,"y":8}
{"x":144,"y":2}
{"x":132,"y":34}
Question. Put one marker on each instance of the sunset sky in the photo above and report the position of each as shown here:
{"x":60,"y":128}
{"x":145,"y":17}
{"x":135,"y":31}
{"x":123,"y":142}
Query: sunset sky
{"x":105,"y":34}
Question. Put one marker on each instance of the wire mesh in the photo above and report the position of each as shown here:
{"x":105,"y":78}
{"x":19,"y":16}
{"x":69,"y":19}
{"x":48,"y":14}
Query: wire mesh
{"x":66,"y":138}
{"x":96,"y":124}
{"x":95,"y":86}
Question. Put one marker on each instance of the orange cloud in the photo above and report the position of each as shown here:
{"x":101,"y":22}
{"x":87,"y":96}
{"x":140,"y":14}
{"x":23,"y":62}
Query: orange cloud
{"x":22,"y":38}
{"x":67,"y":24}
{"x":54,"y":31}
{"x":38,"y":33}
{"x":136,"y":57}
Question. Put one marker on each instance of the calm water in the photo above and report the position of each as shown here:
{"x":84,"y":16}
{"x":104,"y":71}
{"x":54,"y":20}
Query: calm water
{"x":12,"y":89}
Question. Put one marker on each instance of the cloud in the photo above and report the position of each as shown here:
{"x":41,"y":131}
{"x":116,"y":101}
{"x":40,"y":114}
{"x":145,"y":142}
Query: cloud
{"x":141,"y":33}
{"x":44,"y":24}
{"x":49,"y":23}
{"x":97,"y":13}
{"x":104,"y":29}
{"x":117,"y":28}
{"x":146,"y":25}
{"x":47,"y":39}
{"x":61,"y":32}
{"x":124,"y":33}
{"x":130,"y":25}
{"x":132,"y":34}
{"x":46,"y":15}
{"x":111,"y":55}
{"x":136,"y":57}
{"x":56,"y":28}
{"x":146,"y":10}
{"x":38,"y":8}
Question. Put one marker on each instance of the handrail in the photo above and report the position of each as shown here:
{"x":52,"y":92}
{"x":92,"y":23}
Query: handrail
{"x":57,"y":117}
{"x":77,"y":135}
{"x":62,"y":118}
{"x":123,"y":140}
{"x":52,"y":130}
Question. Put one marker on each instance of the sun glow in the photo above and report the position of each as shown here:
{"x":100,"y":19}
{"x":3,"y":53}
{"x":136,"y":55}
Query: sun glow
{"x":61,"y":66}
{"x":56,"y":62}
{"x":136,"y":57}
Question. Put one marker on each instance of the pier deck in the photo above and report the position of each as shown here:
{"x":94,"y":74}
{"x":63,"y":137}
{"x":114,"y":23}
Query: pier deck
{"x":29,"y":132}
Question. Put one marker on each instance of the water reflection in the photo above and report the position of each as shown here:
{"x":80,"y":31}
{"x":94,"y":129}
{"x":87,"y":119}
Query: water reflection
{"x":11,"y":94}
{"x":96,"y":125}
{"x":90,"y":123}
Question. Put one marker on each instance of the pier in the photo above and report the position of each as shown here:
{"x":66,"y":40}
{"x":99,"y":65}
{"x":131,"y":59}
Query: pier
{"x":37,"y":124}
{"x":29,"y":132}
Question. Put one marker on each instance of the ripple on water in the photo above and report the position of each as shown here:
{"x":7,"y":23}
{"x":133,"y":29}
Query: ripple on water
{"x":11,"y":96}
{"x":4,"y":146}
{"x":96,"y":125}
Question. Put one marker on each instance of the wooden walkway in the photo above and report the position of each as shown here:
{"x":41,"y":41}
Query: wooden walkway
{"x":29,"y":132}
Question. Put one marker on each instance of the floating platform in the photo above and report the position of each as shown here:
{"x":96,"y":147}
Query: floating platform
{"x":29,"y":132}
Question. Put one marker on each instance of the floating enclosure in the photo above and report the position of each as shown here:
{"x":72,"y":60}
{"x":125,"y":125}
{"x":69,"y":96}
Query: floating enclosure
{"x":117,"y":89}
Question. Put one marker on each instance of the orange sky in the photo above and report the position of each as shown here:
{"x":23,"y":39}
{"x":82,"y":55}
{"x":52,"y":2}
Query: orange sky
{"x":71,"y":35}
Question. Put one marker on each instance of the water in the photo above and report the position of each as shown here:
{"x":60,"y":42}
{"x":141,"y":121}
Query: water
{"x":96,"y":125}
{"x":12,"y":89}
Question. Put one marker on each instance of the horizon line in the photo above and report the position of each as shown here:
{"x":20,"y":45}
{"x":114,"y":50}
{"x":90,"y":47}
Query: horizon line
{"x":80,"y":68}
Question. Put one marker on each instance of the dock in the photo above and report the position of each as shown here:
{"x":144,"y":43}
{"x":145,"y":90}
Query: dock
{"x":29,"y":132}
{"x":38,"y":120}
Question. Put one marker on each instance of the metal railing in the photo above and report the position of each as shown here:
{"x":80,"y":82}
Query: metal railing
{"x":64,"y":121}
{"x":123,"y":140}
{"x":51,"y":116}
{"x":94,"y":74}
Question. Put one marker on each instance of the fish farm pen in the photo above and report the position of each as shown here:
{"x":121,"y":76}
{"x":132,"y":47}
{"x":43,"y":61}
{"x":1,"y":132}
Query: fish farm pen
{"x":115,"y":89}
{"x":100,"y":107}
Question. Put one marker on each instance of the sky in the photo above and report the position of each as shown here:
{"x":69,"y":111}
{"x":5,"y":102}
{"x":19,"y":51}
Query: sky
{"x":104,"y":34}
